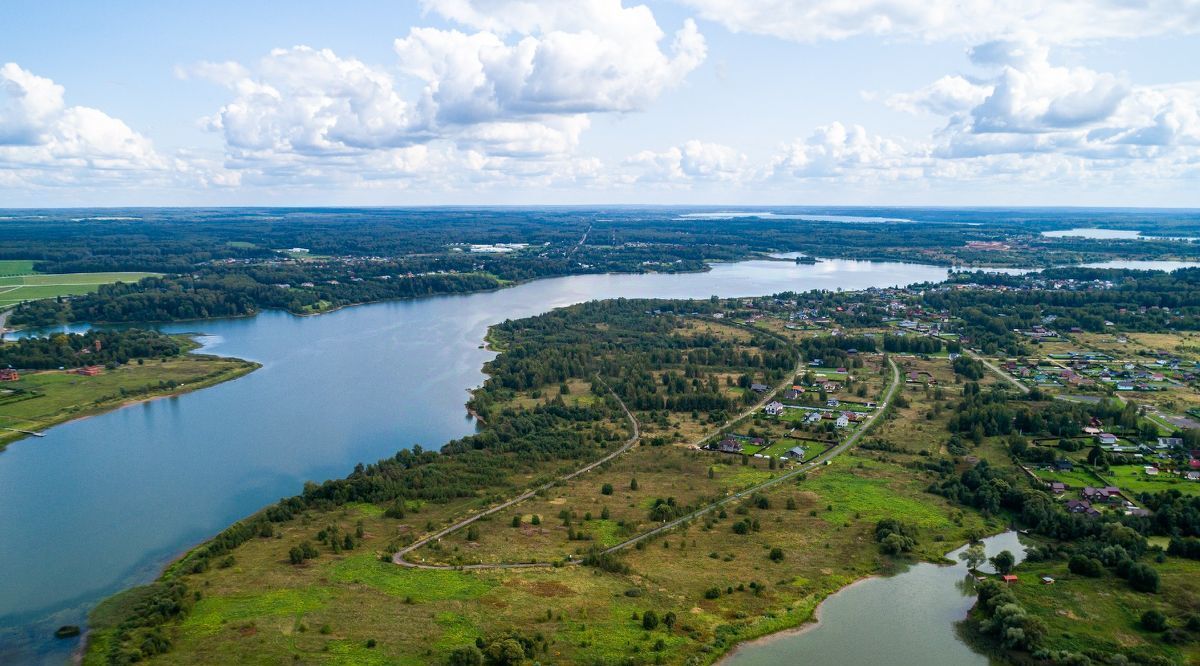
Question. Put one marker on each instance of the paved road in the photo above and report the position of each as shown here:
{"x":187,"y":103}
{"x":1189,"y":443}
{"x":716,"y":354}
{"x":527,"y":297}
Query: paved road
{"x":398,"y":558}
{"x":791,"y":474}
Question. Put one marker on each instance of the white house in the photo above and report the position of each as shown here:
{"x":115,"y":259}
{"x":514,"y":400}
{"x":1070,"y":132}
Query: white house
{"x":842,"y":421}
{"x":774,"y":408}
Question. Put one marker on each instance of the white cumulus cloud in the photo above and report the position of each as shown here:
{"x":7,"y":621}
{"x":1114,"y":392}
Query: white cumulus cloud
{"x":44,"y":141}
{"x":964,"y":20}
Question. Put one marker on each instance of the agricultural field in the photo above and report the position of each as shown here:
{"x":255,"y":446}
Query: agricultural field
{"x":28,"y":287}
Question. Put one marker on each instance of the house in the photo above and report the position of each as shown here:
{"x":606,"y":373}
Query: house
{"x":1170,"y":442}
{"x":729,"y":445}
{"x":1058,"y":487}
{"x":760,"y":388}
{"x":794,"y":393}
{"x":813,"y":417}
{"x":832,"y":402}
{"x":1008,"y":579}
{"x":1106,"y":439}
{"x":774,"y":408}
{"x":1082,"y":506}
{"x":1151,"y":470}
{"x":89,"y":370}
{"x":1064,"y":465}
{"x":9,"y":375}
{"x":1192,"y":476}
{"x":1047,"y":580}
{"x":842,"y":421}
{"x":794,"y":453}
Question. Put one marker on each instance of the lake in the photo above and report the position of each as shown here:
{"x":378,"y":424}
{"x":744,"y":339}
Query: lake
{"x":103,"y":503}
{"x":906,"y":619}
{"x":1109,"y":234}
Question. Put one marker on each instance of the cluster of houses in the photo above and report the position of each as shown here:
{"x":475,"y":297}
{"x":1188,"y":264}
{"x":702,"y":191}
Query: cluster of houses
{"x":815,"y":415}
{"x":9,"y":375}
{"x":1089,"y":369}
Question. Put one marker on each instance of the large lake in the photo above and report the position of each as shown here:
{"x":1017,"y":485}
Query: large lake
{"x":103,"y":503}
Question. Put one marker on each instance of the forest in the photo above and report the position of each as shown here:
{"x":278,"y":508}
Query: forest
{"x":98,"y":347}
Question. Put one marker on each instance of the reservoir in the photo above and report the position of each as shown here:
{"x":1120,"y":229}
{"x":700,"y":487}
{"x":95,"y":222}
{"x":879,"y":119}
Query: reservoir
{"x":906,"y":619}
{"x":101,"y":504}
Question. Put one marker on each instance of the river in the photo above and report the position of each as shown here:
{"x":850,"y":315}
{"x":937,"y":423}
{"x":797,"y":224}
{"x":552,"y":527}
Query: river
{"x":906,"y":619}
{"x":103,"y":503}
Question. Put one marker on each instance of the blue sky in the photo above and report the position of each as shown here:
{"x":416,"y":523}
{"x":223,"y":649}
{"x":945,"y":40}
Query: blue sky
{"x":921,"y":102}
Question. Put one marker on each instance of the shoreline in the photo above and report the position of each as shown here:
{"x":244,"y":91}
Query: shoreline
{"x":183,"y":389}
{"x":812,"y":622}
{"x":814,"y":619}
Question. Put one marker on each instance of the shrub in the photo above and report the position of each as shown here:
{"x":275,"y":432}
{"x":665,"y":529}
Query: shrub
{"x":1153,"y":620}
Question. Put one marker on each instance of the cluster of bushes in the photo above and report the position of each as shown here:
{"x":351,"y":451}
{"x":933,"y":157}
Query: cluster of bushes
{"x":894,"y":537}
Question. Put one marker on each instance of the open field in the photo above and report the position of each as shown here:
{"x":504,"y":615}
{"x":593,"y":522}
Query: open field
{"x":10,"y":267}
{"x":264,"y":609}
{"x":17,"y":288}
{"x":42,"y":399}
{"x":1102,"y":615}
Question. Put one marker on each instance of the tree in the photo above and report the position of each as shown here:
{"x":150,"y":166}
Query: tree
{"x":974,"y":556}
{"x":776,"y":554}
{"x":633,"y":484}
{"x":472,"y":533}
{"x":649,"y":620}
{"x":607,"y":489}
{"x":516,"y":522}
{"x":1004,"y":561}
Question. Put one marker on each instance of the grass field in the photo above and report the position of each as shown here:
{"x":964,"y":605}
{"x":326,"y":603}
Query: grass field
{"x":10,"y":267}
{"x":1101,"y":615}
{"x":17,"y":288}
{"x":262,"y":609}
{"x":42,"y":399}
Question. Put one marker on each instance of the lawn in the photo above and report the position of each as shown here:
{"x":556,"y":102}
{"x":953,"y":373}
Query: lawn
{"x":17,"y":288}
{"x":1134,"y":479}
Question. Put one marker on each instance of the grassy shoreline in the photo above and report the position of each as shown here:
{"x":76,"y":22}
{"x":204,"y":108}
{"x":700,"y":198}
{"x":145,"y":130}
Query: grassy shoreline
{"x":220,"y":369}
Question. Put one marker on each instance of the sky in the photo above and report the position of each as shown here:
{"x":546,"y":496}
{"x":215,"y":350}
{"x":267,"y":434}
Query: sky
{"x":718,"y":102}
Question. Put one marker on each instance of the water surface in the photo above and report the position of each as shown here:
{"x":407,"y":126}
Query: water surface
{"x":101,"y":504}
{"x":902,"y":620}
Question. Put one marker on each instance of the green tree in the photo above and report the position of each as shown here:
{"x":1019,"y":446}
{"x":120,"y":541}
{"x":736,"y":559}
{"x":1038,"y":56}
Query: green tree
{"x":1004,"y":561}
{"x":974,"y":556}
{"x":649,"y":620}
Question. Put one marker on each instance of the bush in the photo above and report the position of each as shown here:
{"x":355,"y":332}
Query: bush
{"x":1153,"y":620}
{"x":1143,"y":578}
{"x":776,"y":554}
{"x":649,"y":620}
{"x":1085,"y":566}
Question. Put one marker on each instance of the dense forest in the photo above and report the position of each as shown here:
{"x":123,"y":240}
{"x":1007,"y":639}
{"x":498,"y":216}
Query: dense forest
{"x":73,"y":350}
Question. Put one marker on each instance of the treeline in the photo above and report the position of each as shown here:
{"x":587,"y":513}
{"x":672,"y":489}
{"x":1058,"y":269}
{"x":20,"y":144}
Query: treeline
{"x":228,"y":292}
{"x":96,"y":347}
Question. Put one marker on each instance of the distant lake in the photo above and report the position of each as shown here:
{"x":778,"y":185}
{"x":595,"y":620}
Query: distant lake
{"x":102,"y":504}
{"x":767,"y":215}
{"x":1143,"y":265}
{"x":906,"y":619}
{"x":1109,"y":234}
